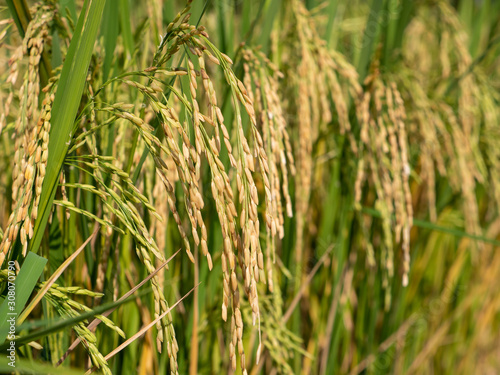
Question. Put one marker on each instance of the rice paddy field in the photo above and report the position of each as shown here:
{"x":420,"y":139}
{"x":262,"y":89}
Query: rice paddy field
{"x":250,"y":187}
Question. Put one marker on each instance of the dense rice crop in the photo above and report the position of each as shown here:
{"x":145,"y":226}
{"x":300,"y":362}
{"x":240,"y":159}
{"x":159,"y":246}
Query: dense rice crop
{"x":256,"y":187}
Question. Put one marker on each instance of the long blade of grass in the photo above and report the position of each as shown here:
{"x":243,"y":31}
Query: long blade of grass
{"x":124,"y":10}
{"x":24,"y":284}
{"x":392,"y":13}
{"x":369,"y":37}
{"x":64,"y":110}
{"x":403,"y":21}
{"x":271,"y":11}
{"x":110,"y":33}
{"x":480,"y":29}
{"x":20,"y":13}
{"x":332,"y":13}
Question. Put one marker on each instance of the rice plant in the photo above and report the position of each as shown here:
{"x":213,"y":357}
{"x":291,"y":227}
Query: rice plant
{"x":282,"y":187}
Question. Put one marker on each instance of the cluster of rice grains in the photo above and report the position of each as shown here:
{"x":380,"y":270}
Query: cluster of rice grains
{"x":204,"y":132}
{"x":265,"y":80}
{"x":384,"y":152}
{"x":314,"y":80}
{"x":58,"y":297}
{"x":263,"y":77}
{"x":319,"y":76}
{"x":446,"y":114}
{"x":31,"y":131}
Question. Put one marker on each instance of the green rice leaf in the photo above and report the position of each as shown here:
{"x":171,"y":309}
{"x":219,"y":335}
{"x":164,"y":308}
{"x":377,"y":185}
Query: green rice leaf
{"x":24,"y":284}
